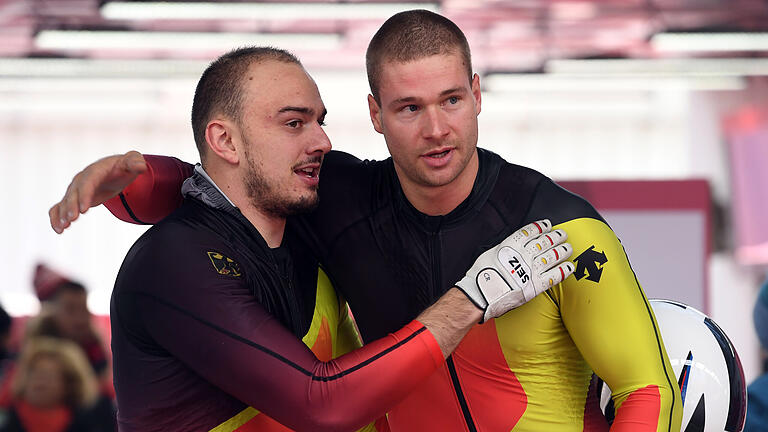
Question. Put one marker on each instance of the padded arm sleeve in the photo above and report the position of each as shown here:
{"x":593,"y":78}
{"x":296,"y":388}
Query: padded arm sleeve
{"x":154,"y":194}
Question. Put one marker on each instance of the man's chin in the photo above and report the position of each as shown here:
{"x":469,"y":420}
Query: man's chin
{"x":285,"y":208}
{"x":432,"y":179}
{"x":306,"y":206}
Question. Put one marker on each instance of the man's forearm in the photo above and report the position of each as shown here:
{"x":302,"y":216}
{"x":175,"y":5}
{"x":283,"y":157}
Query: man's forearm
{"x":450,"y":318}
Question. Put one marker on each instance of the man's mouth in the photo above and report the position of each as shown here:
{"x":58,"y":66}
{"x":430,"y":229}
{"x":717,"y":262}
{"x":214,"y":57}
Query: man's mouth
{"x":309,"y":168}
{"x":308,"y":171}
{"x":438,"y":154}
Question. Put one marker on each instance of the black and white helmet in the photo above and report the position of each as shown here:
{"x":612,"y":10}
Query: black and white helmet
{"x":706,"y":366}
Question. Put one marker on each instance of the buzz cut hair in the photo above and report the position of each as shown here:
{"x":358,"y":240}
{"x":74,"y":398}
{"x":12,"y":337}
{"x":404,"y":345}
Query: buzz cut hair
{"x":413,"y":35}
{"x":221,"y":87}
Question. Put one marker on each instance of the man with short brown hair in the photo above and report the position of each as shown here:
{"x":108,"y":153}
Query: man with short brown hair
{"x":212,"y":304}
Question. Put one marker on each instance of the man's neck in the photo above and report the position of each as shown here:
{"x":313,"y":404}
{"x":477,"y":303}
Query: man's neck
{"x":270,"y":227}
{"x":441,"y":200}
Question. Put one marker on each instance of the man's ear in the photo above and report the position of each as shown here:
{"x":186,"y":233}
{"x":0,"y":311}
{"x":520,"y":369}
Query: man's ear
{"x":476,"y":92}
{"x":375,"y":112}
{"x":220,"y":135}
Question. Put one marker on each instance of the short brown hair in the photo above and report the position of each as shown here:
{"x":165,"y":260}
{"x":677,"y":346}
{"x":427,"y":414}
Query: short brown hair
{"x":79,"y":380}
{"x":220,"y":88}
{"x":412,"y":35}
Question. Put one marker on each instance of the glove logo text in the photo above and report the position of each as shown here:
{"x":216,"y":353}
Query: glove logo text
{"x":513,"y":263}
{"x":518,"y":268}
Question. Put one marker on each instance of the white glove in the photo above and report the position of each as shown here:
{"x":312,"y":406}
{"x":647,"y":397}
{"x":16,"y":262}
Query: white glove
{"x":524,"y":265}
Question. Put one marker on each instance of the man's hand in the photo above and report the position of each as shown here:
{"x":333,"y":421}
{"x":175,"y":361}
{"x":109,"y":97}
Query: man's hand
{"x":525,"y":264}
{"x":95,"y":184}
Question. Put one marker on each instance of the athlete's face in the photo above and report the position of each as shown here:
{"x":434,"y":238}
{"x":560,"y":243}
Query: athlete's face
{"x":283,"y":139}
{"x":428,"y":116}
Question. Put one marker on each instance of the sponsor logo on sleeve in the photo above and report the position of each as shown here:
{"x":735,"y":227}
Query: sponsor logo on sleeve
{"x":590,"y":263}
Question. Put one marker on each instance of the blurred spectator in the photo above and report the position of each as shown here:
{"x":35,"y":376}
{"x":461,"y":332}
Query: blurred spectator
{"x":7,"y":360}
{"x":5,"y":333}
{"x":54,"y":390}
{"x":64,"y":314}
{"x":64,"y":318}
{"x":757,"y":392}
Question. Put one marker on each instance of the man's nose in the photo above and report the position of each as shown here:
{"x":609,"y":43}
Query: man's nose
{"x":435,"y":123}
{"x":320,"y":142}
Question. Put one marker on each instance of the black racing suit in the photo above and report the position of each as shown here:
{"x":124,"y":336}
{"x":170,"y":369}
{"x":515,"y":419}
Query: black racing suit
{"x":528,"y":370}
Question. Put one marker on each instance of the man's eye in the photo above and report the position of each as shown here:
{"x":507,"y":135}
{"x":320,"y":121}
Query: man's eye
{"x":294,"y":124}
{"x":411,"y":108}
{"x":453,"y":100}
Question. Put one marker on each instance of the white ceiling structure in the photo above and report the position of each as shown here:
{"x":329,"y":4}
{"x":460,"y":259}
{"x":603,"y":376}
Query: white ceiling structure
{"x":506,"y":36}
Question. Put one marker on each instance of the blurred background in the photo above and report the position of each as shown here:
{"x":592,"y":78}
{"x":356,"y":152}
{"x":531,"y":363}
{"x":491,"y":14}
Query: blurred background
{"x":655,"y":110}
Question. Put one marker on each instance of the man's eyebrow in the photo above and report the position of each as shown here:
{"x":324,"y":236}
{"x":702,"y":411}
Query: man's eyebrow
{"x":303,"y":110}
{"x":404,"y":100}
{"x":409,"y":99}
{"x":459,"y":89}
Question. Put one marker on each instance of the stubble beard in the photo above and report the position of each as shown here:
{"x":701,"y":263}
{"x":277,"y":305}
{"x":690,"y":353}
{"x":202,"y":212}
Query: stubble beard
{"x":266,"y":196}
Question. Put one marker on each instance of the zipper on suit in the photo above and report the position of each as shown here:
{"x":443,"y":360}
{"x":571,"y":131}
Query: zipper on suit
{"x":438,"y":290}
